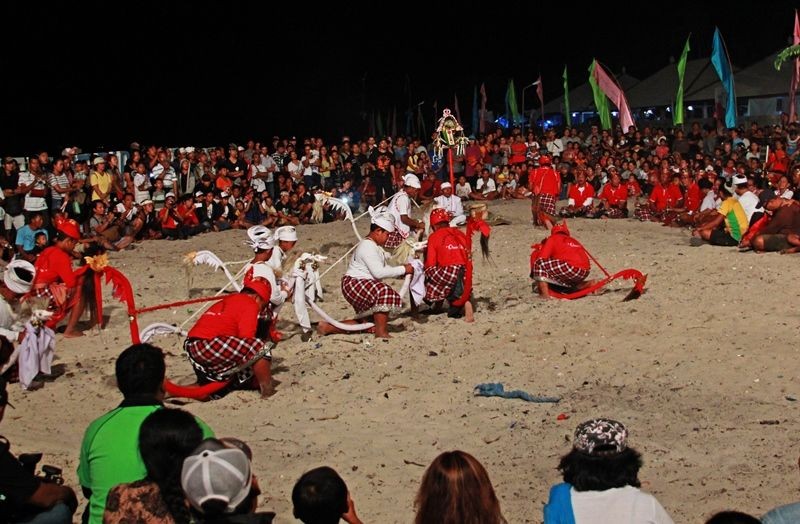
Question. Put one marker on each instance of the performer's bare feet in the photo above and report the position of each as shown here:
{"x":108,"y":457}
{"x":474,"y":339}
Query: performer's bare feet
{"x":544,"y":291}
{"x":381,"y":325}
{"x":469,"y":312}
{"x":326,"y":328}
{"x":267,"y":390}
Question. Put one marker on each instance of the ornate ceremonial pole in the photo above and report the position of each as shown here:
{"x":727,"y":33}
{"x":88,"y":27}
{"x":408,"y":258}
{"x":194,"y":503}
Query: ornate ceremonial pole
{"x":449,"y":135}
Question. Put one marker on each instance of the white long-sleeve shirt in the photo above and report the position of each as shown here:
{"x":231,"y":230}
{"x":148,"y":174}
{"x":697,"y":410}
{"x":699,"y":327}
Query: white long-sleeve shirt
{"x":369,"y":262}
{"x":451,"y":204}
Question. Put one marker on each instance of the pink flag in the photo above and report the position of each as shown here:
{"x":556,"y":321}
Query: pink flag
{"x":795,"y":71}
{"x":482,"y":124}
{"x":539,"y":90}
{"x":614,"y":92}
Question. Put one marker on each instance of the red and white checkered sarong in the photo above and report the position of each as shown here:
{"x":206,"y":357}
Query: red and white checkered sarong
{"x":558,"y":272}
{"x":394,"y":240}
{"x":219,"y":358}
{"x":616,"y":212}
{"x":440,"y":281}
{"x":368,"y":295}
{"x":547,"y":204}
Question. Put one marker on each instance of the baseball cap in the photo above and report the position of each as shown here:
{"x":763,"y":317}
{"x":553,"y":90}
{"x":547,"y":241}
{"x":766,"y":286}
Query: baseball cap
{"x":98,"y":160}
{"x":216,"y":472}
{"x":169,"y":195}
{"x":600,"y":434}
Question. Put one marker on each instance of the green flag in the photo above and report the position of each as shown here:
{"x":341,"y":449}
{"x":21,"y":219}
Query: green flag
{"x":600,"y":100}
{"x":566,"y":98}
{"x":678,"y":112}
{"x":511,"y":103}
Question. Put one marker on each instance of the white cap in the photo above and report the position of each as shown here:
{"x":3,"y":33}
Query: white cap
{"x":446,"y":185}
{"x":411,"y":181}
{"x":216,"y":474}
{"x":169,"y":195}
{"x":286,"y":233}
{"x":199,"y":193}
{"x":224,"y":194}
{"x":260,"y":238}
{"x":382,"y":218}
{"x":190,"y":149}
{"x":18,"y":276}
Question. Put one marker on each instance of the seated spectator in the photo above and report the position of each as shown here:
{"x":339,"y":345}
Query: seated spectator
{"x":26,"y":237}
{"x":320,"y":496}
{"x":456,"y":489}
{"x":727,"y":227}
{"x":601,"y":480}
{"x":774,"y":235}
{"x":25,"y":497}
{"x":485,"y":188}
{"x":351,"y":196}
{"x":109,"y":452}
{"x":218,"y":483}
{"x":463,"y":188}
{"x":368,"y":191}
{"x":166,"y":438}
{"x":430,"y":188}
{"x":151,"y":225}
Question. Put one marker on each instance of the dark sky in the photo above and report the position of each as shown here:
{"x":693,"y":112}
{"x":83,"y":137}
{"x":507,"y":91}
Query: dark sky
{"x":178,"y":73}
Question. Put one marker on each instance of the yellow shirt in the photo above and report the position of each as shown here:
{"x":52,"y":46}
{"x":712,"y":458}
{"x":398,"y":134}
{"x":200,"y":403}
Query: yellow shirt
{"x":735,"y":218}
{"x":102,"y":181}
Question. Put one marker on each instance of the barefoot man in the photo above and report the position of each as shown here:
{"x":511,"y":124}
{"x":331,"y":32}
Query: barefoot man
{"x":223,"y":345}
{"x":562,"y":262}
{"x":56,"y":280}
{"x":361,"y":284}
{"x":448,"y":267}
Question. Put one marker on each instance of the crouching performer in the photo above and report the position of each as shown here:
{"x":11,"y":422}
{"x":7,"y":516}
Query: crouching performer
{"x":448,"y":268}
{"x":222,"y":345}
{"x":362,"y":284}
{"x":562,"y":261}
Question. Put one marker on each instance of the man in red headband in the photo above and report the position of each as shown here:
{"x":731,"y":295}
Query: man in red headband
{"x":223,"y":346}
{"x":562,"y":261}
{"x":448,"y":268}
{"x":56,"y":280}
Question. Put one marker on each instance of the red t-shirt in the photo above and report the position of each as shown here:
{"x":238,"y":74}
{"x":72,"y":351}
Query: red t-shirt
{"x":186,"y":212}
{"x":633,"y":187}
{"x":615,"y":196}
{"x":580,"y":194}
{"x":567,"y":249}
{"x":233,"y":316}
{"x":169,"y":223}
{"x":664,"y":197}
{"x":693,"y":199}
{"x":54,"y":265}
{"x":430,"y":189}
{"x":545,"y":180}
{"x":518,"y":152}
{"x":446,"y":247}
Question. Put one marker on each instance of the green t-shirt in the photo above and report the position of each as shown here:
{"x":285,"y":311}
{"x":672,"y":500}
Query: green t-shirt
{"x":110,"y":453}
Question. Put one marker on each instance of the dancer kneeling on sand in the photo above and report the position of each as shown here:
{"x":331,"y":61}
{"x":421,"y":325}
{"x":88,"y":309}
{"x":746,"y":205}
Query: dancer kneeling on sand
{"x":223,"y":345}
{"x":562,"y":261}
{"x":361,"y":284}
{"x":448,"y":269}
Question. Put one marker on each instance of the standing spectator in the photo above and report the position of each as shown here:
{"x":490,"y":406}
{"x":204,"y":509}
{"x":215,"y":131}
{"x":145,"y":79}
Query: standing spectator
{"x":33,"y":184}
{"x":59,"y":184}
{"x":100,"y":181}
{"x":12,"y":198}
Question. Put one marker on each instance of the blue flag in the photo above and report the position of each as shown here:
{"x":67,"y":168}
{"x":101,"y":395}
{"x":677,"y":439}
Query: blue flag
{"x":722,"y":64}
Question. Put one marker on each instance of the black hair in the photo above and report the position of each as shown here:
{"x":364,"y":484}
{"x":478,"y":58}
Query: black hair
{"x":732,"y":517}
{"x":705,"y":183}
{"x":320,"y":497}
{"x":601,"y":471}
{"x":140,"y":370}
{"x":34,"y":215}
{"x":166,"y":438}
{"x":60,"y":236}
{"x":373,"y":227}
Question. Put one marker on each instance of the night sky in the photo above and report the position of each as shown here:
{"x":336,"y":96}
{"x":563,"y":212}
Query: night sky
{"x":179,"y":73}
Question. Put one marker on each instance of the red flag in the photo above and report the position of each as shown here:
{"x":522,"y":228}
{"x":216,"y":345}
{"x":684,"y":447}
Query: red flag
{"x":614,"y":92}
{"x":795,"y":71}
{"x":482,"y":125}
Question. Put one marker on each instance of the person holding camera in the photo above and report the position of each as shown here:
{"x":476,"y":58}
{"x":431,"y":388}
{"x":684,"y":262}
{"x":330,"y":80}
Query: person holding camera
{"x":25,"y":496}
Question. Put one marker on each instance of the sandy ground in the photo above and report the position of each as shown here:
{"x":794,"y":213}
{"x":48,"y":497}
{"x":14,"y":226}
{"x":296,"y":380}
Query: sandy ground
{"x":699,"y":369}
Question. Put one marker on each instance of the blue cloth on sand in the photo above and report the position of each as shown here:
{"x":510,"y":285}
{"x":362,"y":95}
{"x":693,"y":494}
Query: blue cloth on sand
{"x":497,"y":390}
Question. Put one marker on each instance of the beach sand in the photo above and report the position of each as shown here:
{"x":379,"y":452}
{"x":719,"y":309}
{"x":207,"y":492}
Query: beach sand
{"x":699,"y":369}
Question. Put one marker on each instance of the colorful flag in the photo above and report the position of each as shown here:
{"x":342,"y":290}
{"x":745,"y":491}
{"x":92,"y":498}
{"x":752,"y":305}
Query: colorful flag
{"x":722,"y":65}
{"x":566,"y":98}
{"x":795,"y":72}
{"x":483,"y":108}
{"x":600,"y":100}
{"x":475,"y":110}
{"x":511,"y":104}
{"x":614,"y":92}
{"x":678,"y":112}
{"x":539,"y":90}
